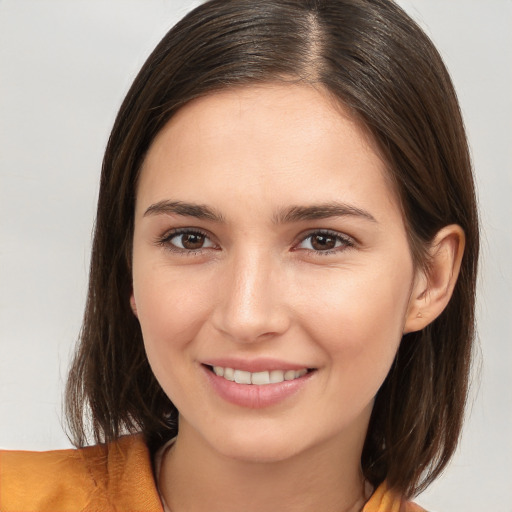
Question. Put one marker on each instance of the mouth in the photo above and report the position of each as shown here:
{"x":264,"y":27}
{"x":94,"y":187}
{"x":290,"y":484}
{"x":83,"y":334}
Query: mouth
{"x":267,"y":385}
{"x":261,"y":378}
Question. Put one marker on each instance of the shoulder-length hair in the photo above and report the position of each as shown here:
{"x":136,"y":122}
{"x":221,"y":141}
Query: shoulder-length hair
{"x":371,"y":57}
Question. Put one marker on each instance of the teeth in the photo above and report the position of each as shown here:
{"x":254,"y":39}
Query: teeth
{"x":242,"y":377}
{"x":276,"y":376}
{"x":229,"y":374}
{"x":289,"y":375}
{"x":258,"y":378}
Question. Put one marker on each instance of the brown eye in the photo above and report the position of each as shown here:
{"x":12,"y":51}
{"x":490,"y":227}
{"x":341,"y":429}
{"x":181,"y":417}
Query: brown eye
{"x":192,"y":241}
{"x":322,"y":242}
{"x":187,"y":240}
{"x":325,"y":242}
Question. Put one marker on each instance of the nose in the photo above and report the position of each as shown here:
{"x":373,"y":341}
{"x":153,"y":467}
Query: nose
{"x":252,"y":301}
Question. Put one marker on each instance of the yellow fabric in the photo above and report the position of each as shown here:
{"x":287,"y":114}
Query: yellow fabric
{"x":107,"y":478}
{"x":385,"y":500}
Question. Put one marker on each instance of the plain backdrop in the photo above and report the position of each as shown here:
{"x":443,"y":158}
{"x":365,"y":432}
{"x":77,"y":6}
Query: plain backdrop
{"x":65,"y":66}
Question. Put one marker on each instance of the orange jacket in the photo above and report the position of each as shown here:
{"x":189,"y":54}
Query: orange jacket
{"x":106,"y":478}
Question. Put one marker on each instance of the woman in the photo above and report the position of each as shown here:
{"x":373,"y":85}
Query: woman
{"x":275,"y":301}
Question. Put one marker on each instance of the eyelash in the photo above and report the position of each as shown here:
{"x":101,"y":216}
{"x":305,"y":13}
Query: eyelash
{"x":345,"y":242}
{"x":165,"y":240}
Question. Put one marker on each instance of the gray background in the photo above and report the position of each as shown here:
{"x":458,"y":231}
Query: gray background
{"x":64,"y":68}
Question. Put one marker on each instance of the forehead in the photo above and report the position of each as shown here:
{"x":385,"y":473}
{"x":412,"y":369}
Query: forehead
{"x":309,"y":108}
{"x":257,"y":140}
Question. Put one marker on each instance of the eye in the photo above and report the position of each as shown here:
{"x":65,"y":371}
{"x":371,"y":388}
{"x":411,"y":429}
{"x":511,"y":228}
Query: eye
{"x":184,"y":240}
{"x":325,"y":242}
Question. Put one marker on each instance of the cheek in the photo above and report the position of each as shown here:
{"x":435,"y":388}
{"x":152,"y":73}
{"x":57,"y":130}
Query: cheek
{"x":171,"y":311}
{"x":170,"y":319}
{"x":358,"y":318}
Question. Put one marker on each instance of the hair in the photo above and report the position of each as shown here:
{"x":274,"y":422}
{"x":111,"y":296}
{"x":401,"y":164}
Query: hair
{"x":372,"y":58}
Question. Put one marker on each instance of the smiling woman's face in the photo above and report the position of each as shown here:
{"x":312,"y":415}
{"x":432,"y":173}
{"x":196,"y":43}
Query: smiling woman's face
{"x":270,"y":248}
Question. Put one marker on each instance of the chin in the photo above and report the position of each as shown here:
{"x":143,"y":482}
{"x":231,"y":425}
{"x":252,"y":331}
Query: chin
{"x":260,"y":452}
{"x":259,"y":446}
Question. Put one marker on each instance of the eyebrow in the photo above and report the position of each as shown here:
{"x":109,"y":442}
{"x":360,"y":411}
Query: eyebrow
{"x":321,"y":211}
{"x":287,"y":215}
{"x":199,"y":211}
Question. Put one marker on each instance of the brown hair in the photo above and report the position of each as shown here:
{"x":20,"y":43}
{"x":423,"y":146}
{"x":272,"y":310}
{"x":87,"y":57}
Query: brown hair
{"x":377,"y":62}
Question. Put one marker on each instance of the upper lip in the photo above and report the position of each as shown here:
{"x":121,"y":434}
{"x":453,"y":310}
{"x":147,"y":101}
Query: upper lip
{"x":254,"y":365}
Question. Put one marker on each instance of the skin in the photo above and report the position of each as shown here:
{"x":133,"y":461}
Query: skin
{"x":258,"y":283}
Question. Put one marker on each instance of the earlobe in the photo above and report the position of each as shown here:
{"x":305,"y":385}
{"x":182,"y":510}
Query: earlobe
{"x":434,"y":286}
{"x":133,"y":305}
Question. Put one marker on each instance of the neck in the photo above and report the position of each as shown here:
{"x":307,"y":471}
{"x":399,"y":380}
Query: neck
{"x":326,"y":477}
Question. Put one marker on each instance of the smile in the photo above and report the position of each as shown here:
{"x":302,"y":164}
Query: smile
{"x":258,"y":388}
{"x":258,"y":378}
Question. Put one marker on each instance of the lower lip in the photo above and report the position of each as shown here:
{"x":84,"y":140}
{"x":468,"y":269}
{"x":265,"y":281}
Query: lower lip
{"x":253,"y":396}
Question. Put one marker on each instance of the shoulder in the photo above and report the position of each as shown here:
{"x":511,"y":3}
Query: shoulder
{"x":116,"y":476}
{"x":385,"y":499}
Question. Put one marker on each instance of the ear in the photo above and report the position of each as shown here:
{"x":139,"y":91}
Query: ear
{"x":433,"y":287}
{"x":133,"y":305}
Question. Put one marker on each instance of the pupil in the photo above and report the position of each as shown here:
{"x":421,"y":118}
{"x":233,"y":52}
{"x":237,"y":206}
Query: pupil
{"x":193,"y":241}
{"x":323,"y":242}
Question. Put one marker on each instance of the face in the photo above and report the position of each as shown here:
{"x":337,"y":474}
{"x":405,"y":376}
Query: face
{"x":272,"y":274}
